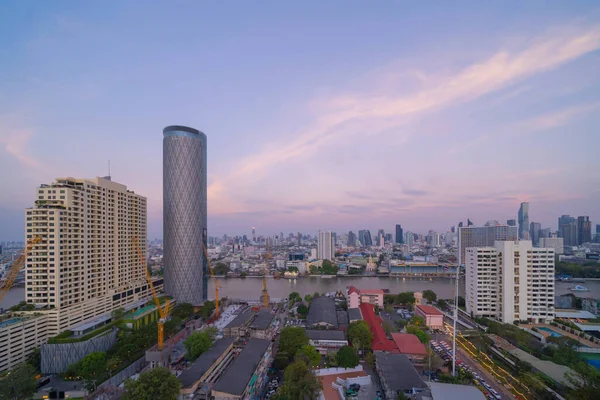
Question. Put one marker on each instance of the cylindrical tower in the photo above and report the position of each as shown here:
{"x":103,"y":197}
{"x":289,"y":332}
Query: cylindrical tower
{"x":184,"y":214}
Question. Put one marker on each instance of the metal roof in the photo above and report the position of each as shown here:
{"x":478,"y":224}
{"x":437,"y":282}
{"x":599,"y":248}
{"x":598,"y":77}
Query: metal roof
{"x":574,"y":314}
{"x":236,"y":377}
{"x":317,"y":334}
{"x":398,"y":371}
{"x":241,"y":319}
{"x":322,"y":310}
{"x":204,"y":362}
{"x":263,"y":320}
{"x":342,"y":318}
{"x":446,"y":391}
{"x":354,"y":314}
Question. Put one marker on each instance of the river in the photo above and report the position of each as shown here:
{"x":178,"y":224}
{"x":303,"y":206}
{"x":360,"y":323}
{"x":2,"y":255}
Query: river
{"x":251,"y":288}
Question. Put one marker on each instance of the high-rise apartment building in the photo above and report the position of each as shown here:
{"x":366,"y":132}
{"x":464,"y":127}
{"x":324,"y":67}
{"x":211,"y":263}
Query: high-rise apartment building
{"x":596,"y":237}
{"x":410,"y":238}
{"x":482,"y":236}
{"x":534,"y":232}
{"x":184,"y":214}
{"x":351,"y":239}
{"x":564,"y":220}
{"x":325,"y":246}
{"x":87,"y":263}
{"x":569,"y":233}
{"x":399,"y":234}
{"x":584,"y":230}
{"x":523,"y":219}
{"x":510,"y":281}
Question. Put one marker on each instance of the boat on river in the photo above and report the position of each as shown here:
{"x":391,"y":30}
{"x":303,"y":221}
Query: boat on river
{"x":579,"y":288}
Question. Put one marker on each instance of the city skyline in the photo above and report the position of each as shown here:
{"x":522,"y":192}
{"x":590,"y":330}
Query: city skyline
{"x":452,"y":116}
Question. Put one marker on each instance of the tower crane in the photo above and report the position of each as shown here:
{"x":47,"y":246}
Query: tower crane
{"x":217,"y":285}
{"x":163,"y":310}
{"x":17,"y":265}
{"x":265,"y":294}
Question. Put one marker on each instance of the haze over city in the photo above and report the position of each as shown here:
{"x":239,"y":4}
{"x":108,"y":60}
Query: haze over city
{"x":318,"y":116}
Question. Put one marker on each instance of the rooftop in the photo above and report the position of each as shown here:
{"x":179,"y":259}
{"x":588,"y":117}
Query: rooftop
{"x":191,"y":375}
{"x":354,"y":314}
{"x":430,"y":310}
{"x":326,"y":380}
{"x":263,"y":320}
{"x":352,"y":289}
{"x":409,"y":344}
{"x":380,"y":340}
{"x":317,"y":334}
{"x":241,"y":319}
{"x":322,"y":310}
{"x":446,"y":391}
{"x":372,"y":291}
{"x":574,"y":314}
{"x":398,"y":371}
{"x":236,"y":377}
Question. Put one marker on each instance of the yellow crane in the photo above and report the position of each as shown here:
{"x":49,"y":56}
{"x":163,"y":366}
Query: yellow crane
{"x":265,"y":294}
{"x":15,"y":268}
{"x":217,"y":285}
{"x":163,"y":310}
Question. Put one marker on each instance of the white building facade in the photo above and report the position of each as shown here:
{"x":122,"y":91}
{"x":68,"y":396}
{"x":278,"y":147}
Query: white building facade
{"x":325,"y":247}
{"x":510,"y":281}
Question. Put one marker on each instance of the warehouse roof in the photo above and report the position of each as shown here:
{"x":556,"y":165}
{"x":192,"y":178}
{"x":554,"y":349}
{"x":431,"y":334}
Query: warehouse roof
{"x":263,"y":320}
{"x":317,"y":334}
{"x":398,"y":372}
{"x":238,"y":375}
{"x":447,"y":391}
{"x":241,"y":319}
{"x":429,"y":310}
{"x":322,"y":311}
{"x":191,"y":375}
{"x":354,"y":314}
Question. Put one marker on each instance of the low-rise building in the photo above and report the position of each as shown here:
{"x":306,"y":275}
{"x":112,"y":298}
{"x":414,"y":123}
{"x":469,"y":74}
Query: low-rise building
{"x":410,"y":345}
{"x":373,"y":296}
{"x":326,"y":340}
{"x":238,"y":326}
{"x":354,"y":315}
{"x":591,"y":305}
{"x":434,"y":318}
{"x":322,"y":313}
{"x":244,"y":377}
{"x":446,"y":391}
{"x":261,"y":327}
{"x":353,"y":297}
{"x":397,"y":375}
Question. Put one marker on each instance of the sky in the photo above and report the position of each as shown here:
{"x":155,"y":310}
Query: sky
{"x":339,"y":115}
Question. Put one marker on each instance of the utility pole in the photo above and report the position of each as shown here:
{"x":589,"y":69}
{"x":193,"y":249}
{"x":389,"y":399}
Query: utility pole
{"x":456,"y":306}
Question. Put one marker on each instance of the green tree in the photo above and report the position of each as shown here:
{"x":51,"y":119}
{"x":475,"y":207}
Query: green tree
{"x":302,"y":309}
{"x":221,"y":269}
{"x":347,"y":357}
{"x":405,"y":298}
{"x":291,"y":339}
{"x":243,"y":274}
{"x":401,"y":323}
{"x":417,"y":320}
{"x":159,"y":383}
{"x":400,"y":396}
{"x":442,"y":304}
{"x":387,"y":327}
{"x":370,"y":360}
{"x":421,"y":334}
{"x":196,"y":344}
{"x":183,"y":310}
{"x":430,"y":296}
{"x":299,"y":383}
{"x":293,"y":269}
{"x":207,"y":309}
{"x":309,"y":353}
{"x":315,"y":295}
{"x":117,"y":314}
{"x":35,"y":359}
{"x":281,"y":360}
{"x":92,"y":366}
{"x":211,"y":331}
{"x":359,"y":335}
{"x":19,"y":384}
{"x":294,"y":296}
{"x":308,"y":298}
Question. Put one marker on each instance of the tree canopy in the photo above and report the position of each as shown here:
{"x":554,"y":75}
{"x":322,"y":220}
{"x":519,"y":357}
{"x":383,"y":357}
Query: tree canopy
{"x":183,"y":310}
{"x":92,"y":365}
{"x":159,"y":383}
{"x":197,"y":343}
{"x":430,"y":296}
{"x":291,"y":339}
{"x":221,"y":269}
{"x":302,"y":309}
{"x":308,"y":298}
{"x":207,"y":309}
{"x":359,"y":335}
{"x":299,"y":382}
{"x":294,"y":296}
{"x":405,"y":298}
{"x":19,"y":384}
{"x":417,"y":320}
{"x":311,"y":354}
{"x":347,"y":357}
{"x":420,"y":333}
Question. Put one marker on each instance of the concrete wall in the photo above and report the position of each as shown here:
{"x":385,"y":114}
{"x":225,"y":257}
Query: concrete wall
{"x":56,"y":358}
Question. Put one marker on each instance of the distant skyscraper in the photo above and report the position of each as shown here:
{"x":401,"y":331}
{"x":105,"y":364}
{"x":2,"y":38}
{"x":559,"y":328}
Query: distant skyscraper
{"x":584,"y":230}
{"x":453,"y":229}
{"x":564,"y":220}
{"x":469,"y":223}
{"x":299,"y":239}
{"x":351,"y":239}
{"x":460,"y":224}
{"x":545,"y":233}
{"x":534,"y":232}
{"x":253,"y":234}
{"x":184,"y":214}
{"x":399,"y":234}
{"x":410,"y":238}
{"x":511,"y":222}
{"x":481,"y":236}
{"x":523,"y":219}
{"x":597,"y":234}
{"x":325,"y":246}
{"x":389,"y":238}
{"x":364,"y":237}
{"x":569,"y":233}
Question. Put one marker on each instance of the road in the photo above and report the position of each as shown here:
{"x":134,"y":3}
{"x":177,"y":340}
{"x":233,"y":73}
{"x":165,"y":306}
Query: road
{"x":475,"y":366}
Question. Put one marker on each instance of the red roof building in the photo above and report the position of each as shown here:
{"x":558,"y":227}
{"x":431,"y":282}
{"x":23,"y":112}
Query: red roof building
{"x":434,"y":318}
{"x":380,"y":340}
{"x":352,"y":289}
{"x":411,"y":346}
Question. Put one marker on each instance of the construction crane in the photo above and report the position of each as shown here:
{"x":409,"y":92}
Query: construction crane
{"x":15,"y":268}
{"x":217,"y":285}
{"x":265,"y":294}
{"x":163,"y":310}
